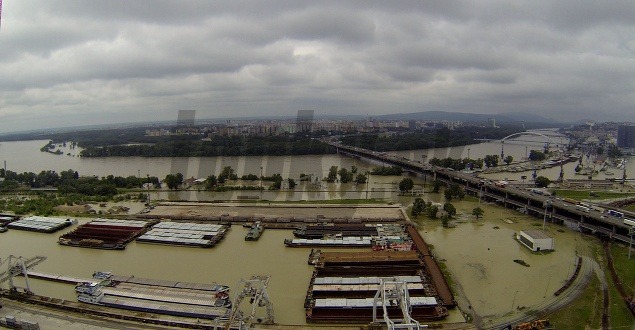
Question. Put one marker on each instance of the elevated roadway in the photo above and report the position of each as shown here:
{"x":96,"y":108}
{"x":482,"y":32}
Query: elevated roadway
{"x":553,"y":209}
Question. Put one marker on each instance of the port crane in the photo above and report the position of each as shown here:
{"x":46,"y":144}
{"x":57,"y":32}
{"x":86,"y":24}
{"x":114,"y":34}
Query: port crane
{"x":17,"y":266}
{"x":255,"y":289}
{"x":394,"y":293}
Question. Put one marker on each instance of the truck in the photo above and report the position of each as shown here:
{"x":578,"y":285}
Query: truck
{"x":629,"y":222}
{"x":570,"y":201}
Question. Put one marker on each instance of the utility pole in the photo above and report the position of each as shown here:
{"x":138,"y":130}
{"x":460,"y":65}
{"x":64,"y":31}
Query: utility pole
{"x":148,"y":184}
{"x":630,"y":245}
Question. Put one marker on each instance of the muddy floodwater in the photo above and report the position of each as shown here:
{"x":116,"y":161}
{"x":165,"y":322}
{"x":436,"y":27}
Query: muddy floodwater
{"x":480,"y":256}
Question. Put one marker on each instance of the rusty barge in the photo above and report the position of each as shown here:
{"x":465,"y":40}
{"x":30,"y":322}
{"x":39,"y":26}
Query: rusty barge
{"x":108,"y":234}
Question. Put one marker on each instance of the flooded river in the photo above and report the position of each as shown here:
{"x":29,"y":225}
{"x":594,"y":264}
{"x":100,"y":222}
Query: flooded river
{"x":479,"y":256}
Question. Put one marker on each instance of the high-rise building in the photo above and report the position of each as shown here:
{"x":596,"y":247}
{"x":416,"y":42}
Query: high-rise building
{"x":626,"y":136}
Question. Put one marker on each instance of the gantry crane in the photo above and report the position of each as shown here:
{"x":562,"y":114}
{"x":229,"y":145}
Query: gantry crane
{"x":255,"y":289}
{"x":394,"y":293}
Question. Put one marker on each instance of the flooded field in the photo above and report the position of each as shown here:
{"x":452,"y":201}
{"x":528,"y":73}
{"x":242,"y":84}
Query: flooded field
{"x":480,"y":256}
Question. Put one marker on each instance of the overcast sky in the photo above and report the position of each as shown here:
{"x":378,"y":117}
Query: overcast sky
{"x":67,"y":63}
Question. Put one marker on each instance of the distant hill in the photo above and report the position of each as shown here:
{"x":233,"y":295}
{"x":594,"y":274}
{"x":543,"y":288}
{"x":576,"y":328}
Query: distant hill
{"x":468,"y":117}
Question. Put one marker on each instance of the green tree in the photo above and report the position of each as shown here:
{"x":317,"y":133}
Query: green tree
{"x":491,"y":160}
{"x":406,"y":185}
{"x":211,"y":181}
{"x":417,"y":207}
{"x":450,"y":209}
{"x":477,"y":212}
{"x":226,"y":174}
{"x":508,"y":160}
{"x":542,"y":182}
{"x":292,"y":183}
{"x":436,"y":186}
{"x":332,"y":176}
{"x":537,"y":155}
{"x":345,"y":175}
{"x":432,"y":211}
{"x":445,"y":220}
{"x":361,"y":178}
{"x":172,"y":181}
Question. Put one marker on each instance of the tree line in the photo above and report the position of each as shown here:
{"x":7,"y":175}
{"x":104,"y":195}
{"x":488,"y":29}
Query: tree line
{"x":193,"y":146}
{"x":70,"y":182}
{"x":433,"y":138}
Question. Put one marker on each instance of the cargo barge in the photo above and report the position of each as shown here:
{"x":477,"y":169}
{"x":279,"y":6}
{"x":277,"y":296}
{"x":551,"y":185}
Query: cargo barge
{"x":185,"y":234}
{"x":167,"y":299}
{"x":108,"y":234}
{"x":5,"y":219}
{"x":41,"y":224}
{"x":338,"y":241}
{"x":255,"y":231}
{"x":344,"y":284}
{"x":161,"y":283}
{"x":176,"y":309}
{"x":343,"y":310}
{"x":322,"y":230}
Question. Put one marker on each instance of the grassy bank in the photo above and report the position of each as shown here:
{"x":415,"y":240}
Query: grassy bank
{"x":584,"y":194}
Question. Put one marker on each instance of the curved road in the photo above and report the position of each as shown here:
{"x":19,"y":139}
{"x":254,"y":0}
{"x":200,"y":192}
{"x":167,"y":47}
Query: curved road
{"x":589,"y":266}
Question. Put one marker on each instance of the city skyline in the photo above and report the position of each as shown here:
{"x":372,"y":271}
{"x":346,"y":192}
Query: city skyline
{"x":85,"y":63}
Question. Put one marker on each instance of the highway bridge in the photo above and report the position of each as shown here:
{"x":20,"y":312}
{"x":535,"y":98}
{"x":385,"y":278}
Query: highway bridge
{"x":553,"y":209}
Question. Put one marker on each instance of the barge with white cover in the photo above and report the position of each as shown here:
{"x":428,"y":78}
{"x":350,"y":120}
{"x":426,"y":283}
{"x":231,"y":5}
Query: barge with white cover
{"x":41,"y":224}
{"x":185,"y":234}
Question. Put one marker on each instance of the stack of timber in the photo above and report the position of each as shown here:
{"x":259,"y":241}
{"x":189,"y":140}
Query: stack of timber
{"x":40,"y":224}
{"x":109,"y":234}
{"x":186,"y":234}
{"x":344,"y":284}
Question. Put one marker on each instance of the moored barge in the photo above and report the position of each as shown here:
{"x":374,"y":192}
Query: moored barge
{"x":109,"y":234}
{"x":255,"y":231}
{"x":185,"y":234}
{"x":40,"y":224}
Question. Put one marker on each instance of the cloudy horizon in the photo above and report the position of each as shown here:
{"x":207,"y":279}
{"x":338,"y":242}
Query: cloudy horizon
{"x":72,"y":63}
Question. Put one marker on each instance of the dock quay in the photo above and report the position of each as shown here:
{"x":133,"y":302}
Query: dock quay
{"x":344,"y":284}
{"x":432,"y":268}
{"x":108,"y":234}
{"x":40,"y":224}
{"x":185,"y":234}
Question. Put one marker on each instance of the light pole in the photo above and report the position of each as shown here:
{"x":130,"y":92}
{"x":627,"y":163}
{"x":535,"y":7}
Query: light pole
{"x":630,"y":245}
{"x":367,"y":183}
{"x":148,"y":176}
{"x":514,"y":300}
{"x":468,"y":153}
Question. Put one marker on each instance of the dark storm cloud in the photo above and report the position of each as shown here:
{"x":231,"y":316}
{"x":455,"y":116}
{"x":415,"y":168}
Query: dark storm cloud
{"x":66,"y":62}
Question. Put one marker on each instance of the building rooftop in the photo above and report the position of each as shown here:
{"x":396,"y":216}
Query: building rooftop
{"x":536,"y":234}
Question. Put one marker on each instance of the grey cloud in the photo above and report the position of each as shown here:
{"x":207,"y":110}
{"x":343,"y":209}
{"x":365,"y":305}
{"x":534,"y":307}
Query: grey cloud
{"x":144,"y":59}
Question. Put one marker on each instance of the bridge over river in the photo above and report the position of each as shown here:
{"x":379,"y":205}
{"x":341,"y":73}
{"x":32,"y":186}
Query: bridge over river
{"x":549,"y":208}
